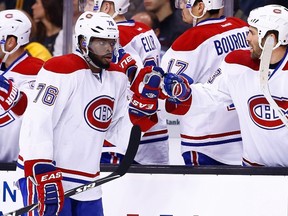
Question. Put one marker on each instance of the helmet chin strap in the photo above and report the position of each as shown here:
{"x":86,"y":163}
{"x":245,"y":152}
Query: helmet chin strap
{"x":7,"y":53}
{"x":85,"y":53}
{"x":115,"y":14}
{"x":89,"y":60}
{"x":196,"y":17}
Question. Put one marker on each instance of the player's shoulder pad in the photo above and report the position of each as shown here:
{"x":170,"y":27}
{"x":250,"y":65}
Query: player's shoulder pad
{"x":127,"y":33}
{"x":242,"y":57}
{"x":143,"y":27}
{"x":65,"y":64}
{"x":29,"y":66}
{"x":193,"y":38}
{"x":237,"y":21}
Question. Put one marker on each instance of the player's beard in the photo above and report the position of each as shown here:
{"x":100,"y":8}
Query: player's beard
{"x":96,"y":59}
{"x":255,"y":52}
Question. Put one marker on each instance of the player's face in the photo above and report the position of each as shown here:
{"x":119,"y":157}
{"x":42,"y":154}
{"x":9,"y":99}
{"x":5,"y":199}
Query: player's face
{"x":252,"y":39}
{"x":89,"y":5}
{"x":101,"y":51}
{"x":186,"y":16}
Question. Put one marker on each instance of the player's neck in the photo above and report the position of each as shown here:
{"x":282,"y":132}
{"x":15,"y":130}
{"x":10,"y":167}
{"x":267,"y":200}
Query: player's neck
{"x":278,"y":54}
{"x":208,"y":16}
{"x":12,"y":57}
{"x":120,"y":18}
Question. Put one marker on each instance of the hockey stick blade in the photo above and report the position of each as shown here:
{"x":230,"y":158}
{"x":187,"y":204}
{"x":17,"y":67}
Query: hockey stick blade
{"x":264,"y":77}
{"x":134,"y":140}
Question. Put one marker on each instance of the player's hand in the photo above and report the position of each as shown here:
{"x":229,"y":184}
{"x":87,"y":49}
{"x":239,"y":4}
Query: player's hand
{"x":47,"y":179}
{"x":177,"y":86}
{"x":147,"y":82}
{"x":148,"y":77}
{"x":144,"y":102}
{"x":128,"y":64}
{"x":9,"y":93}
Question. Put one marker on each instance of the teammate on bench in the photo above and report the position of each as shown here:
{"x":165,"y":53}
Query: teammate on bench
{"x":238,"y":81}
{"x":79,"y":98}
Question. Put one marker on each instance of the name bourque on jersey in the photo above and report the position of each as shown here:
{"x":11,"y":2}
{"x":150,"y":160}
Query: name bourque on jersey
{"x":262,"y":130}
{"x":23,"y":73}
{"x":197,"y":54}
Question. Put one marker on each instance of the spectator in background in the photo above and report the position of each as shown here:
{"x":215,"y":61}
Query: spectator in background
{"x":171,"y":24}
{"x":17,"y":4}
{"x":134,"y":7}
{"x":245,"y":6}
{"x":48,"y":15}
{"x":148,"y":18}
{"x":36,"y":49}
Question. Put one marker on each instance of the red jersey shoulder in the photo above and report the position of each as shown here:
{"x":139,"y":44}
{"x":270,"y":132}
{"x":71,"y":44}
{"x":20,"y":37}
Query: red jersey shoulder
{"x":195,"y":36}
{"x":242,"y":57}
{"x":66,"y":64}
{"x":285,"y":68}
{"x":236,"y":21}
{"x":29,"y":66}
{"x":116,"y":68}
{"x":127,"y":33}
{"x":142,"y":27}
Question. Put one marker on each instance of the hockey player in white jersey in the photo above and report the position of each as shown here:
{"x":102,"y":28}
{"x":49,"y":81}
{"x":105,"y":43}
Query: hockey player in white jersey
{"x":17,"y":76}
{"x":142,"y":44}
{"x":238,"y":81}
{"x":212,"y":138}
{"x":78,"y":99}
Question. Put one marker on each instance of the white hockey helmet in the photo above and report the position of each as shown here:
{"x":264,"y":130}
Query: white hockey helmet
{"x":14,"y":22}
{"x":270,"y":17}
{"x":121,"y":6}
{"x":209,"y":4}
{"x":100,"y":25}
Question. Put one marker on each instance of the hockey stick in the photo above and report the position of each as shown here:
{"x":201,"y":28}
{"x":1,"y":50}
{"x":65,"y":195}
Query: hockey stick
{"x":128,"y":159}
{"x":264,"y":77}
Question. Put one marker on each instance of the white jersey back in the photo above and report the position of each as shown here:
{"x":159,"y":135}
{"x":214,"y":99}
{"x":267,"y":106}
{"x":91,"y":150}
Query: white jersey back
{"x":71,"y":115}
{"x":196,"y":55}
{"x":137,"y":39}
{"x":23,"y":73}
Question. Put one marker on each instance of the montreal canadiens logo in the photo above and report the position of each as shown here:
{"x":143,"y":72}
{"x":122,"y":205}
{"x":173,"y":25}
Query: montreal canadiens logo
{"x":6,"y":119}
{"x":99,"y":112}
{"x":262,"y":113}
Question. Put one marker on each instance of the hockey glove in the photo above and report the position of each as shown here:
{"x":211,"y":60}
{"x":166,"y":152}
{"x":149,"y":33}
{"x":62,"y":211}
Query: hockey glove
{"x":47,"y":179}
{"x":9,"y":94}
{"x":144,"y":102}
{"x":128,"y":64}
{"x":177,"y":87}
